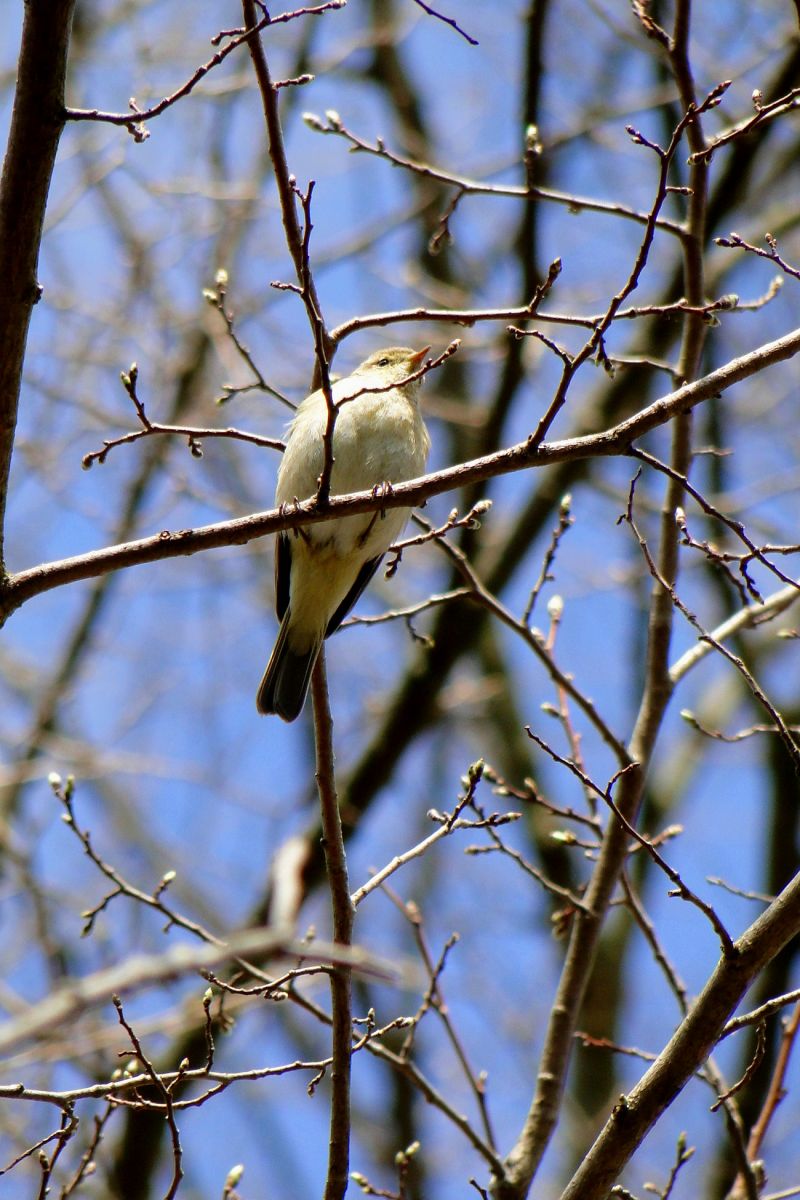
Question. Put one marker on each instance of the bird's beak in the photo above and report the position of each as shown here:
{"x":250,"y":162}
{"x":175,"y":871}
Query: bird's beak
{"x":416,"y":359}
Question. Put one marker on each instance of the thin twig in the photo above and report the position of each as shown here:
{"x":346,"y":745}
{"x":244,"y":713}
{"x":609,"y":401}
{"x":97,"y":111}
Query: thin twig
{"x":747,"y":618}
{"x":135,"y":121}
{"x":756,"y":689}
{"x":166,"y":1093}
{"x":342,"y":911}
{"x":447,"y":20}
{"x":333,"y":125}
{"x":776,"y":1091}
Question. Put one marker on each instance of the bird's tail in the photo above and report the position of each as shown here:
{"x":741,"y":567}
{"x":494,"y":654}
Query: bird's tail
{"x":285,"y":683}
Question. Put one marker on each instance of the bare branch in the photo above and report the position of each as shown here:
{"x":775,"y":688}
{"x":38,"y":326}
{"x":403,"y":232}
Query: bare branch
{"x":135,"y":122}
{"x":343,"y":910}
{"x":614,"y":441}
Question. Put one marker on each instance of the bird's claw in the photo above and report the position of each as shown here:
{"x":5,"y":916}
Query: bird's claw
{"x":381,"y":491}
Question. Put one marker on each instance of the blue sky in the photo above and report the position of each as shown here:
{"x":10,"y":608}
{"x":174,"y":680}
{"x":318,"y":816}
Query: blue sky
{"x":174,"y":768}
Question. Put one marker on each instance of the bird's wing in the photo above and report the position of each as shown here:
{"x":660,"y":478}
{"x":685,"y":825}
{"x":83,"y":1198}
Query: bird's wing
{"x":283,"y":568}
{"x":360,"y":582}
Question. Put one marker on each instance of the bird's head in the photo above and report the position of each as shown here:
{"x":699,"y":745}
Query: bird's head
{"x":393,"y":365}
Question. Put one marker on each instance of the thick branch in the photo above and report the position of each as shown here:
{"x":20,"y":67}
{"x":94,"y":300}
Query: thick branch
{"x":636,"y":1113}
{"x":36,"y":124}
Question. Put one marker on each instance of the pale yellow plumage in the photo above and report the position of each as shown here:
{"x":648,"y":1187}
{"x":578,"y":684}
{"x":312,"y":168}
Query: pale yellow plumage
{"x":320,"y":572}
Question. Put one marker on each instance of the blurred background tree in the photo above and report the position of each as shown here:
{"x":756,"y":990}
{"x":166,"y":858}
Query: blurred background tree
{"x":568,"y":188}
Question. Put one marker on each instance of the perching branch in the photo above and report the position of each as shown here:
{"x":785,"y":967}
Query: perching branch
{"x":610,"y":442}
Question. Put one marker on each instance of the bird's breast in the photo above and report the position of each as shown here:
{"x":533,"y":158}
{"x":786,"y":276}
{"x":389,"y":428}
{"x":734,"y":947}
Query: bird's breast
{"x":377,"y":439}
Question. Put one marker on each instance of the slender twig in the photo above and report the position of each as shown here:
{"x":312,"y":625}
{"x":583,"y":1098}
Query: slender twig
{"x":710,"y":510}
{"x":775,"y":1092}
{"x":166,"y":1093}
{"x":772,"y":253}
{"x":497,"y":844}
{"x":758,"y":1014}
{"x":447,"y":20}
{"x":458,"y":316}
{"x":56,"y":1135}
{"x":342,"y":911}
{"x":450,"y":823}
{"x":194,"y":435}
{"x":434,"y":1000}
{"x":297,"y":235}
{"x":216,"y":298}
{"x":470,"y":520}
{"x":595,"y":344}
{"x":65,"y":792}
{"x":135,"y":121}
{"x":88,"y":1157}
{"x":482,"y":596}
{"x":681,"y":888}
{"x":750,"y":1070}
{"x":763,"y":113}
{"x":682,"y":1155}
{"x":531,"y":795}
{"x":123,"y":1083}
{"x":756,"y":689}
{"x":333,"y":125}
{"x":648,"y":929}
{"x":565,"y":521}
{"x":435,"y":600}
{"x":477,"y":316}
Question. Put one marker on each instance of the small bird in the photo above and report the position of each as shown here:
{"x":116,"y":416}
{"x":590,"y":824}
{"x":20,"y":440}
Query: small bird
{"x":320,"y":571}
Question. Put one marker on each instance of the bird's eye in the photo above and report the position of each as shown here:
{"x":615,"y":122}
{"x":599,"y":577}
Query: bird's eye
{"x":383,"y":362}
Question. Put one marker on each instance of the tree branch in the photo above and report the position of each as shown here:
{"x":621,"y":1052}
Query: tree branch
{"x":36,"y":124}
{"x":343,"y":911}
{"x":637,"y":1112}
{"x":21,"y":586}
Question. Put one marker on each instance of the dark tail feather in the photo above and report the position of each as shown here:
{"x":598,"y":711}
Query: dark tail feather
{"x":285,"y":684}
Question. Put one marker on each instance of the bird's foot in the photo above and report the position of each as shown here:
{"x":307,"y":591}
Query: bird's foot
{"x":289,"y":507}
{"x":380,"y":491}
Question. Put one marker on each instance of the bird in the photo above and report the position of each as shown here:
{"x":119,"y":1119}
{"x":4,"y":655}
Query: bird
{"x":320,"y":571}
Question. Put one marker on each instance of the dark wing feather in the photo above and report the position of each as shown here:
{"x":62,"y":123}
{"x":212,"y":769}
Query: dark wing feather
{"x":283,"y":570}
{"x":361,"y":581}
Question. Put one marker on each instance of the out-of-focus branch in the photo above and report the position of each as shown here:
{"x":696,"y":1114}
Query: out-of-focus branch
{"x":36,"y":124}
{"x":746,"y":618}
{"x":143,"y":971}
